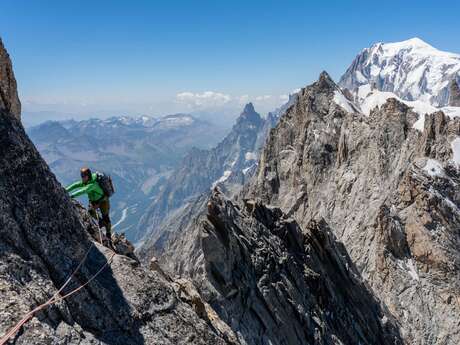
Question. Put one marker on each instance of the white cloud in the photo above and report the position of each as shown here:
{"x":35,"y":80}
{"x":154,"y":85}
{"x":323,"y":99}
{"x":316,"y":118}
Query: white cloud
{"x":219,"y":101}
{"x":284,"y":98}
{"x":263,"y":98}
{"x":243,"y":99}
{"x":203,"y":100}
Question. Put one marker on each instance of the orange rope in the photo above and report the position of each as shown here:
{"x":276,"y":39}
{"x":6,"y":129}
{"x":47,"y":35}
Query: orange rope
{"x":56,"y":297}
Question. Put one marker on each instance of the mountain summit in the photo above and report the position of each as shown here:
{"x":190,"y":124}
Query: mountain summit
{"x":411,"y":69}
{"x":249,"y":117}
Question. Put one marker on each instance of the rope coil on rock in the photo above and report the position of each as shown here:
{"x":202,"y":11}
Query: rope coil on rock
{"x":56,"y":298}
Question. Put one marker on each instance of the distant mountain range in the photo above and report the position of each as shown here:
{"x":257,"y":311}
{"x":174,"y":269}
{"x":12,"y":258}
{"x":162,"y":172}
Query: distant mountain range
{"x":140,"y":153}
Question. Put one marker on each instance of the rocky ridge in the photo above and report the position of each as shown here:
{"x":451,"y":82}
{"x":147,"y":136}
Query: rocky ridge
{"x":274,"y":283}
{"x":454,"y":94}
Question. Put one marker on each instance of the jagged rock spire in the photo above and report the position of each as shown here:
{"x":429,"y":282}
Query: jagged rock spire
{"x":324,"y":77}
{"x":250,"y":115}
{"x":249,"y":108}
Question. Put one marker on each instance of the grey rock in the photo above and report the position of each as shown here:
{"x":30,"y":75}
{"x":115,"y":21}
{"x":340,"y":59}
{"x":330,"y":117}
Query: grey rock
{"x":273,"y":283}
{"x":454,"y":94}
{"x":120,"y":244}
{"x":9,"y":100}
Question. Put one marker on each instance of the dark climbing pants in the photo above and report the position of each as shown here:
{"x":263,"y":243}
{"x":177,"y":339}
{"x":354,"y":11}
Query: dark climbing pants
{"x":104,"y":206}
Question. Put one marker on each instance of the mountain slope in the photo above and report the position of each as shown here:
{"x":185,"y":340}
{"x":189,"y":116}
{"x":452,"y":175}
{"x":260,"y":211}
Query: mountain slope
{"x":271,"y":280}
{"x":412,"y":69}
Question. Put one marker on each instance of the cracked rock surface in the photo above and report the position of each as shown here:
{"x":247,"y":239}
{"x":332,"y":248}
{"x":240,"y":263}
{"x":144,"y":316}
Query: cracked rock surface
{"x":274,"y":283}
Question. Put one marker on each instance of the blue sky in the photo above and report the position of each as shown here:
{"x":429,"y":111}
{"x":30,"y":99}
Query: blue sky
{"x":103,"y":57}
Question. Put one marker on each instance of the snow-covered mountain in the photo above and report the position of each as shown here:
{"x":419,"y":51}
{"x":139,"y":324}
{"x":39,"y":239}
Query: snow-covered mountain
{"x":368,"y":98}
{"x":411,"y":69}
{"x":174,"y":121}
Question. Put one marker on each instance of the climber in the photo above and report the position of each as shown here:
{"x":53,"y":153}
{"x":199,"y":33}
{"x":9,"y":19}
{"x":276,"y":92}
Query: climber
{"x":97,"y":195}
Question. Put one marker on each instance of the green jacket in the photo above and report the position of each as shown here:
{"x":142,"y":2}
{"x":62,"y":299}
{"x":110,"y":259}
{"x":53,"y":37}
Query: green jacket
{"x":92,"y":188}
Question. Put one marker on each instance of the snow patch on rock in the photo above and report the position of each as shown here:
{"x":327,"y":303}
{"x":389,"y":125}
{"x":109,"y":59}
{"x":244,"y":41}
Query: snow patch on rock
{"x":223,"y":178}
{"x":456,"y":151}
{"x":369,"y":99}
{"x":433,"y":168}
{"x":250,"y":156}
{"x":340,"y":100}
{"x":409,"y":267}
{"x":124,"y":214}
{"x":245,"y":170}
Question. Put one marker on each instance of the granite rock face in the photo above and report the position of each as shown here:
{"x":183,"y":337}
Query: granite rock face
{"x":43,"y":238}
{"x":9,"y":100}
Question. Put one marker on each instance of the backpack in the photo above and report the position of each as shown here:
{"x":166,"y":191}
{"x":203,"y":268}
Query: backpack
{"x":105,"y":181}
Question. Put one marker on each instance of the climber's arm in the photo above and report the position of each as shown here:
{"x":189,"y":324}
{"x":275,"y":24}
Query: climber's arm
{"x":74,"y":185}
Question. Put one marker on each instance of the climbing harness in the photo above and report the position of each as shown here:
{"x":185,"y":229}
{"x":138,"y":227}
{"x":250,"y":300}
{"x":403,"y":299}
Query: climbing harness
{"x":56,"y":297}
